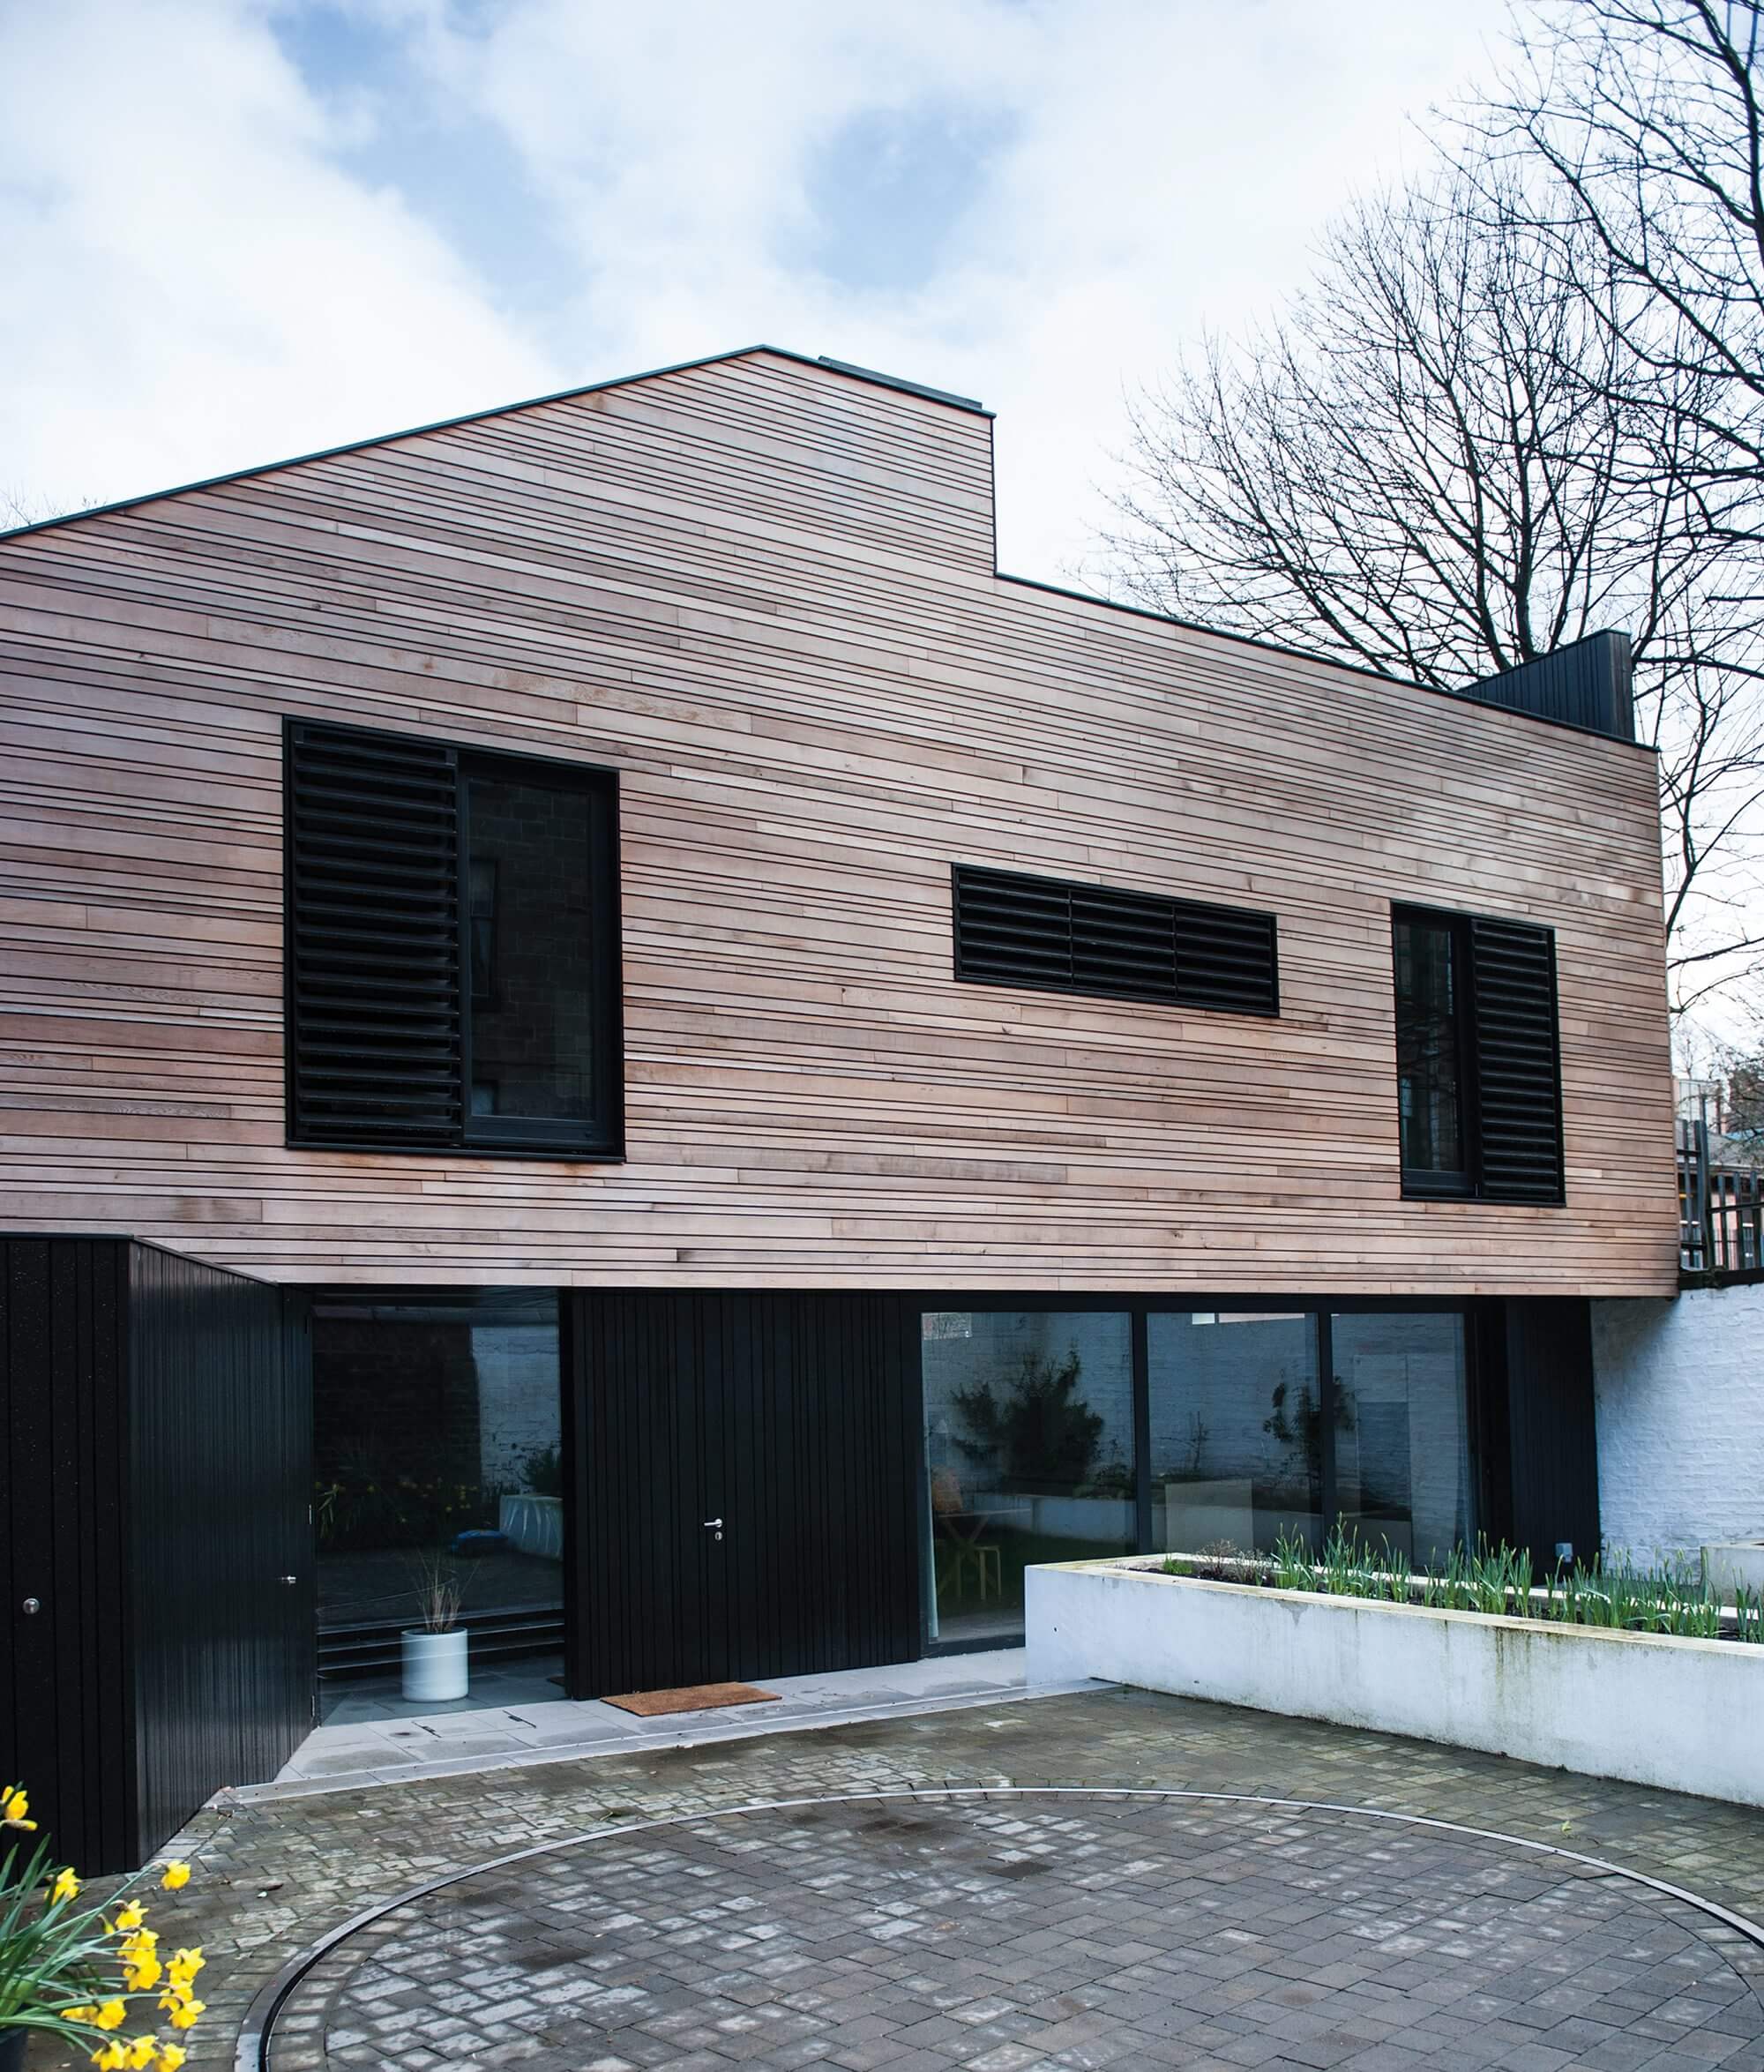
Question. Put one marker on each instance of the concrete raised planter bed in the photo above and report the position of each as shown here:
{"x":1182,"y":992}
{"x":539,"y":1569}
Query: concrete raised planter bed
{"x":1680,"y":1714}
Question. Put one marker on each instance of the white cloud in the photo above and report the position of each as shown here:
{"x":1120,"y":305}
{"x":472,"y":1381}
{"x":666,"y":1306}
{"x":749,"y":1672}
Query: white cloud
{"x":216,"y":255}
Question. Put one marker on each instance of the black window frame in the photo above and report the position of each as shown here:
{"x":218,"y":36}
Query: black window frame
{"x":1463,"y":1183}
{"x":1473,"y":1019}
{"x":601,"y":1139}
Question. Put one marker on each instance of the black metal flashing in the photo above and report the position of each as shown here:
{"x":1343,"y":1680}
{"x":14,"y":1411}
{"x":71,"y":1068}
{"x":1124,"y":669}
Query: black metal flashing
{"x":899,"y":381}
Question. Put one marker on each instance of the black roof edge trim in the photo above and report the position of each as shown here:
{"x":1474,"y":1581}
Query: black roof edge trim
{"x":1328,"y":662}
{"x":411,"y":431}
{"x":899,"y":381}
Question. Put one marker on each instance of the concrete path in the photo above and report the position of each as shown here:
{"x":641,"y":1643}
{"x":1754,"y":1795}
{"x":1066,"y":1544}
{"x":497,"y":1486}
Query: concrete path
{"x":437,"y":1741}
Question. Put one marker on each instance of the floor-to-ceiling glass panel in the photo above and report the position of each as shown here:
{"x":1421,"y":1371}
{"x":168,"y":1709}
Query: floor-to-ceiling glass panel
{"x":1402,"y":1452}
{"x":437,"y":1460}
{"x":1028,"y":1456}
{"x":1237,"y":1430}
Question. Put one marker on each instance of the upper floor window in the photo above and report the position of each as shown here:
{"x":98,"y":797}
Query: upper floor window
{"x":1479,"y":1106}
{"x":452,"y":933}
{"x":1073,"y":937}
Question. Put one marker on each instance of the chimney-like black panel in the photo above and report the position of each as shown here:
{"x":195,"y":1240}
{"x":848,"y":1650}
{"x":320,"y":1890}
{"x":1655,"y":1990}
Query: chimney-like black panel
{"x":1587,"y":684}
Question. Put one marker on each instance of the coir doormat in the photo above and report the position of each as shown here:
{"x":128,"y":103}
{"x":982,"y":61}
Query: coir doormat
{"x":693,"y":1698}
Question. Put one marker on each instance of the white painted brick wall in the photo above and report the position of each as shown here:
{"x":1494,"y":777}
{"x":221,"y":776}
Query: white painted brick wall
{"x":1680,"y":1389}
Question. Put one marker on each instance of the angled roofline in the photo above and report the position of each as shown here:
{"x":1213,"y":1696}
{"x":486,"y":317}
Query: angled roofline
{"x":560,"y":395}
{"x":853,"y":372}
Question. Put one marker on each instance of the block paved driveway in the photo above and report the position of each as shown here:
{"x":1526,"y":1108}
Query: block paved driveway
{"x":970,"y":1925}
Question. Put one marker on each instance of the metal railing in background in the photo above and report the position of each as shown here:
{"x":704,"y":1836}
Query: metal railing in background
{"x":1721,"y":1208}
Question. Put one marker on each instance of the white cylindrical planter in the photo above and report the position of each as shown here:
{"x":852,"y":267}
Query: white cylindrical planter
{"x":435,"y":1666}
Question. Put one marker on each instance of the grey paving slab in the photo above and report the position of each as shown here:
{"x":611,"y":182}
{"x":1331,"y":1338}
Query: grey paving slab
{"x":1206,"y":1937}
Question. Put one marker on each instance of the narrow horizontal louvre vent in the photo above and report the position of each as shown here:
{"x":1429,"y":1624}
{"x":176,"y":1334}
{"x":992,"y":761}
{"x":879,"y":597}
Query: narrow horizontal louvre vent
{"x":1046,"y":934}
{"x":373,"y":993}
{"x":1517,"y":1071}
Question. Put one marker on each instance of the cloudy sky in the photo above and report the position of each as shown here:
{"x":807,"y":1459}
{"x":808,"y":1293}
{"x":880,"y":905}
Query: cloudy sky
{"x":234,"y":230}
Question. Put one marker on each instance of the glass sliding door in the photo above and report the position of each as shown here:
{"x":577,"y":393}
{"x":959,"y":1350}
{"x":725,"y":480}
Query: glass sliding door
{"x":1238,"y":1430}
{"x":1402,"y":1452}
{"x":436,"y":1455}
{"x":1028,"y":1456}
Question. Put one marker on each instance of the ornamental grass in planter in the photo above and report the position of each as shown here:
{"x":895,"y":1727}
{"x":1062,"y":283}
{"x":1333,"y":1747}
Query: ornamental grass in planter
{"x":84,"y":1974}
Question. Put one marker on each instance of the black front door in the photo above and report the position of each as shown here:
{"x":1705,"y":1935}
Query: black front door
{"x":744,"y":1486}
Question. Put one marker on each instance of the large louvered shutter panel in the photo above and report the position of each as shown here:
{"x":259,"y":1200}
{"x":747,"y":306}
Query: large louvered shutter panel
{"x":1066,"y":936}
{"x":373,"y":948}
{"x":1226,"y":959}
{"x":1519,"y":1094}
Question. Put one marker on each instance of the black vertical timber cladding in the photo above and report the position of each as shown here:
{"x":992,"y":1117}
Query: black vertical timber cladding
{"x":792,"y":1418}
{"x":65,"y":1715}
{"x":1551,"y":1422}
{"x":1588,"y":684}
{"x":220,"y":1443}
{"x":153,"y":1434}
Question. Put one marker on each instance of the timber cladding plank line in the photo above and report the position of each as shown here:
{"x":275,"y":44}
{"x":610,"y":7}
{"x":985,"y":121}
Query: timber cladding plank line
{"x":763,"y":594}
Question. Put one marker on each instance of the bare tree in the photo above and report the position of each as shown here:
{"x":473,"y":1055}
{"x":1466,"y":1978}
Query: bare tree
{"x":1644,"y":118}
{"x":1440,"y":463}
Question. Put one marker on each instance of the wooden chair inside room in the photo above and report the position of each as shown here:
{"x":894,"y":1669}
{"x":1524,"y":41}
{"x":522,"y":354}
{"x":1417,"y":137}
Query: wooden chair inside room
{"x":959,"y":1548}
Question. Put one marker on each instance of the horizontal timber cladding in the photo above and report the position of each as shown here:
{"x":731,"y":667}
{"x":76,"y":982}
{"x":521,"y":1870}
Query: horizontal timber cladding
{"x":762,"y":592}
{"x":746,"y":1475}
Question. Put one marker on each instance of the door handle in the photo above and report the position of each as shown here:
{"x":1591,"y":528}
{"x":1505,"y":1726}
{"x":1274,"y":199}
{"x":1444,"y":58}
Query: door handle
{"x":713,"y":1526}
{"x":289,"y":1581}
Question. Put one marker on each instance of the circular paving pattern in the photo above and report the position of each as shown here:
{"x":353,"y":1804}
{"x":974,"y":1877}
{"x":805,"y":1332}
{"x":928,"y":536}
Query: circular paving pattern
{"x":1007,"y":1930}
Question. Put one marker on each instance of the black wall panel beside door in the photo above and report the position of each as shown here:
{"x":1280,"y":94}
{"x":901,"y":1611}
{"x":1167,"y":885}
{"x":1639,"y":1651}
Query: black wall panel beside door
{"x":745,"y":1485}
{"x":65,"y":1704}
{"x":154,"y":1440}
{"x":1554,"y":1439}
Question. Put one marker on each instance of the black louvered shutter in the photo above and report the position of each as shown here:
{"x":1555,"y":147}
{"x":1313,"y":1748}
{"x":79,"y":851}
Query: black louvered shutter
{"x":1519,"y":1095}
{"x":1061,"y":937}
{"x":373,"y":940}
{"x":1123,"y":943}
{"x":1227,"y":960}
{"x":1012,"y":931}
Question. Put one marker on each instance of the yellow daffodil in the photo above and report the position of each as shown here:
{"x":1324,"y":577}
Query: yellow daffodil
{"x":130,"y":1916}
{"x":185,"y":1965}
{"x":171,"y":2056}
{"x":13,"y":1808}
{"x":143,"y":2051}
{"x":78,"y":2013}
{"x":113,"y":2057}
{"x":110,"y":2015}
{"x":176,"y":1876}
{"x":66,"y":1887}
{"x":143,"y":1974}
{"x":184,"y":2015}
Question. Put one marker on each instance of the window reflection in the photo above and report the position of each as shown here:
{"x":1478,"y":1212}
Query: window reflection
{"x":1237,"y":1431}
{"x":1402,"y":1461}
{"x":1028,"y":1456}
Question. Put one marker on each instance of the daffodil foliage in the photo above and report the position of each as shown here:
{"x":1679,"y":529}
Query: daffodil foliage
{"x":89,"y":1974}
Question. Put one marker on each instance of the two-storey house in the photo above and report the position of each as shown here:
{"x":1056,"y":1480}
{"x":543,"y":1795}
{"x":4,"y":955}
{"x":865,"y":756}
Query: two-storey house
{"x":594,"y":987}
